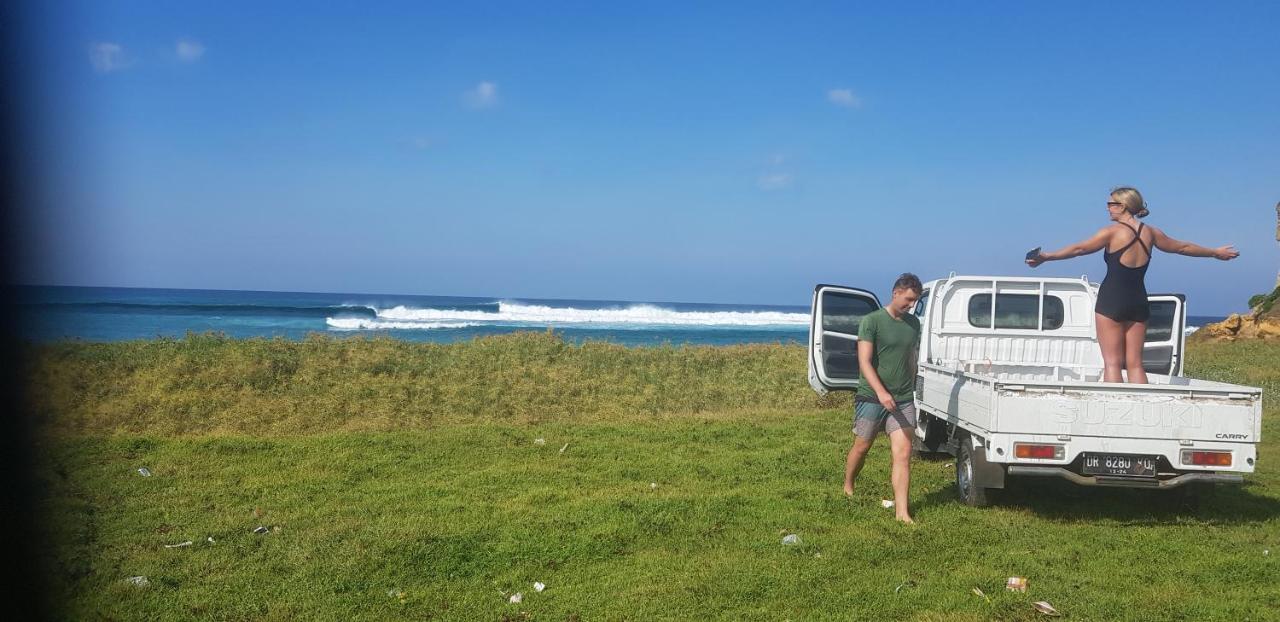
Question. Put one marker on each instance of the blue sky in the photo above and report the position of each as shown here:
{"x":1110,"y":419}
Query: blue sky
{"x":721,"y":153}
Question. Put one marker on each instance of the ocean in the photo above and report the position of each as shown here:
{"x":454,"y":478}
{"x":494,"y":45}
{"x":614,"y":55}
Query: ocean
{"x":116,"y":314}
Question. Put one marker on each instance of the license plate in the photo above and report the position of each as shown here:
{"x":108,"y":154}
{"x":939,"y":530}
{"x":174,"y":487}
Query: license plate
{"x":1119,"y":464}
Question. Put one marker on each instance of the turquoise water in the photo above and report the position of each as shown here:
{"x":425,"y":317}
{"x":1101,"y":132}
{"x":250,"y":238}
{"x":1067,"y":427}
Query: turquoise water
{"x":114,"y":314}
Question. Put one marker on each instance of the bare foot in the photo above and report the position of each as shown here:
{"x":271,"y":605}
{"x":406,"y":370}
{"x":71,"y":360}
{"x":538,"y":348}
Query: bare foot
{"x":848,"y":490}
{"x":905,"y":518}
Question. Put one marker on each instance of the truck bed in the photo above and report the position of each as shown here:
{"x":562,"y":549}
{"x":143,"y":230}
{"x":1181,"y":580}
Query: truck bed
{"x":1065,"y":401}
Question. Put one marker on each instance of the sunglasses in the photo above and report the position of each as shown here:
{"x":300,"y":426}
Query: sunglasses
{"x":1116,"y":203}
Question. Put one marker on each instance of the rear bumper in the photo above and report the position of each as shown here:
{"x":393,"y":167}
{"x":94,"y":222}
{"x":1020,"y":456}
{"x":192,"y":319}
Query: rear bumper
{"x":1124,"y":482}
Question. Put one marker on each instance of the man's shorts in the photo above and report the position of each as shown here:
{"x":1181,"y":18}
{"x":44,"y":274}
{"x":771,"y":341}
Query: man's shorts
{"x":869,"y":418}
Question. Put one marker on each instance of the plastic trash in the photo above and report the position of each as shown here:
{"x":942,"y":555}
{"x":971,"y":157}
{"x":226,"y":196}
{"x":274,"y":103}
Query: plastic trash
{"x":1045,"y":608}
{"x":211,"y":540}
{"x":566,"y":446}
{"x":653,"y":485}
{"x":886,"y":504}
{"x":144,"y":471}
{"x":1016,"y":584}
{"x":516,"y":598}
{"x":395,"y":593}
{"x":791,"y":540}
{"x":908,"y":585}
{"x":138,"y":581}
{"x":261,"y":530}
{"x":178,"y":545}
{"x":539,"y":441}
{"x":978,"y":592}
{"x":539,"y":586}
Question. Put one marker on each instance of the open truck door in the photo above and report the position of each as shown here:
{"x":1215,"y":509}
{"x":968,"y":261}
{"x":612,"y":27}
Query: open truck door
{"x":833,"y":336}
{"x":1162,"y":352}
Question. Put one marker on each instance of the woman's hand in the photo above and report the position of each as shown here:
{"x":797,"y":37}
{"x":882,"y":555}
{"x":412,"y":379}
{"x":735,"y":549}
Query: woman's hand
{"x":1035,"y":261}
{"x":1225,"y":253}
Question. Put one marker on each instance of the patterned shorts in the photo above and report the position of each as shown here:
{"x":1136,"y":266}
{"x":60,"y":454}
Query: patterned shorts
{"x":869,"y":418}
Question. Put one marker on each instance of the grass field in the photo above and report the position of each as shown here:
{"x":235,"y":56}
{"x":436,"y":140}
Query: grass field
{"x":406,"y":481}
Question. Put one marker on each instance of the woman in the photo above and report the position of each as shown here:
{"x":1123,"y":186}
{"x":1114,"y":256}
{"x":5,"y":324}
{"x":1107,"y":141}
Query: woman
{"x":1121,"y":311}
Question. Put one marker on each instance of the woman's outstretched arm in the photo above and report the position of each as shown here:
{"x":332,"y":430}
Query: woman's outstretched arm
{"x":1170,"y":245}
{"x":1091,"y":245}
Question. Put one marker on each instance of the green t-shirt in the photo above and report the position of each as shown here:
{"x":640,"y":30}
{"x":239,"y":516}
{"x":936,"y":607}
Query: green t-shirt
{"x":896,"y":342}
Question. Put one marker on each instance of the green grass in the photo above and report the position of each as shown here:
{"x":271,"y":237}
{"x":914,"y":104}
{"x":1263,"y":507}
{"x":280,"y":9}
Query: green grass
{"x":435,"y":510}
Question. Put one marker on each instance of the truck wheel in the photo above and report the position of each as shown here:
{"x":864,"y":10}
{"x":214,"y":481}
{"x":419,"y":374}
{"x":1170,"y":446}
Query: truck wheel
{"x":966,"y":484}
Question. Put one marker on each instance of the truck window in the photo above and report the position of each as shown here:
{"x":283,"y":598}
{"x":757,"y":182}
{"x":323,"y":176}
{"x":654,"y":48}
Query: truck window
{"x":921,"y":304}
{"x":1160,"y":326}
{"x":1015,"y":311}
{"x":842,"y":312}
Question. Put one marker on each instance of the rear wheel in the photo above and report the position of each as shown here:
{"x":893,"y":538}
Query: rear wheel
{"x":967,"y":486}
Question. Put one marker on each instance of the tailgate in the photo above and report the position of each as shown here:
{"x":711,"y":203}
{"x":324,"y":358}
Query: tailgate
{"x":1152,"y":412}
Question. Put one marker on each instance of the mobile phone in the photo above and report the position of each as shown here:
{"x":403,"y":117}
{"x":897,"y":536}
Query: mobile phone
{"x":1033,"y":253}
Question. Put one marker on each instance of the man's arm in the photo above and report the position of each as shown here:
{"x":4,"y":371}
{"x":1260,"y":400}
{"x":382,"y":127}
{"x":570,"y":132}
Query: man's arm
{"x":866,"y":349}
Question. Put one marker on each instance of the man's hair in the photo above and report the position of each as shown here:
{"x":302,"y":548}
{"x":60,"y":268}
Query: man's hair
{"x":908,"y":281}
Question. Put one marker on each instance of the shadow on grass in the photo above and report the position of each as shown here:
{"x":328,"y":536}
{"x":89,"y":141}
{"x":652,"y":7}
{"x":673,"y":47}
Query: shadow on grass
{"x":1063,"y":501}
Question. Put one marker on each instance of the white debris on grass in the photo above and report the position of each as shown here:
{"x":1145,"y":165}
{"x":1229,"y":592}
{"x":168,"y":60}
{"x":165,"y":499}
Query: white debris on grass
{"x":1016,"y":584}
{"x":791,"y":540}
{"x":1045,"y":608}
{"x":653,"y":485}
{"x":138,"y":581}
{"x":261,"y":530}
{"x":886,"y":504}
{"x":144,"y":471}
{"x":566,"y":446}
{"x":179,"y":545}
{"x":539,"y":586}
{"x":539,"y":441}
{"x":516,"y":598}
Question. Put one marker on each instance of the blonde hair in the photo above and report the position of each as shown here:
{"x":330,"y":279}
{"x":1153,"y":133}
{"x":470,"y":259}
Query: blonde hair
{"x":1132,"y":200}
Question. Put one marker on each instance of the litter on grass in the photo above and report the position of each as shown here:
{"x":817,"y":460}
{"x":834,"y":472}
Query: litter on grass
{"x":539,"y":586}
{"x":1045,"y":608}
{"x":1016,"y":584}
{"x":138,"y":581}
{"x":981,"y":593}
{"x":566,"y":446}
{"x":261,"y":530}
{"x":886,"y":504}
{"x":907,"y":585}
{"x":211,"y":540}
{"x":653,"y":485}
{"x":539,"y":441}
{"x":516,"y":598}
{"x":178,"y":545}
{"x":145,"y":472}
{"x":791,"y":540}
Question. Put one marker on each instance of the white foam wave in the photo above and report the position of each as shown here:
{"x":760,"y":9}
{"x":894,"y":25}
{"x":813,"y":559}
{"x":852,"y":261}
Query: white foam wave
{"x":356,"y":323}
{"x":510,"y":313}
{"x":1190,"y":329}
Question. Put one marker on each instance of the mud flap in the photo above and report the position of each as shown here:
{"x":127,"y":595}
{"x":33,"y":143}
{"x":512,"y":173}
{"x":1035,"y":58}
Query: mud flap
{"x":985,"y":474}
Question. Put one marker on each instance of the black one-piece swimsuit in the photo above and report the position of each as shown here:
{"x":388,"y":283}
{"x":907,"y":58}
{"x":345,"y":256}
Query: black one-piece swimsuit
{"x":1123,"y":294}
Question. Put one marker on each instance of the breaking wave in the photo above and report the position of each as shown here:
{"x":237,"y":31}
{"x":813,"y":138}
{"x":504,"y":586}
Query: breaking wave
{"x":636,"y":317}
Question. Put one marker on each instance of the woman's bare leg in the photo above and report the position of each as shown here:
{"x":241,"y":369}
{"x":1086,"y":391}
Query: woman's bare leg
{"x":1135,"y":337}
{"x":1111,"y":341}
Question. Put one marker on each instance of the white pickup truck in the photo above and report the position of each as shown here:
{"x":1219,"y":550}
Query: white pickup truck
{"x":1013,"y":388}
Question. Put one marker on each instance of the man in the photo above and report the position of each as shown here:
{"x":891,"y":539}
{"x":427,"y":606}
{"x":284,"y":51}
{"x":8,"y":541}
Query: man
{"x":888,"y":340}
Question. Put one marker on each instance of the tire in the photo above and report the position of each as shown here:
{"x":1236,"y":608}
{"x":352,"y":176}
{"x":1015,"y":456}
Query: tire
{"x":966,"y":486}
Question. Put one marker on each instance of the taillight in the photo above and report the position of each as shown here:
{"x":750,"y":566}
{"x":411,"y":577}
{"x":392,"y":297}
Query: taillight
{"x":1048,"y":452}
{"x":1206,"y":458}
